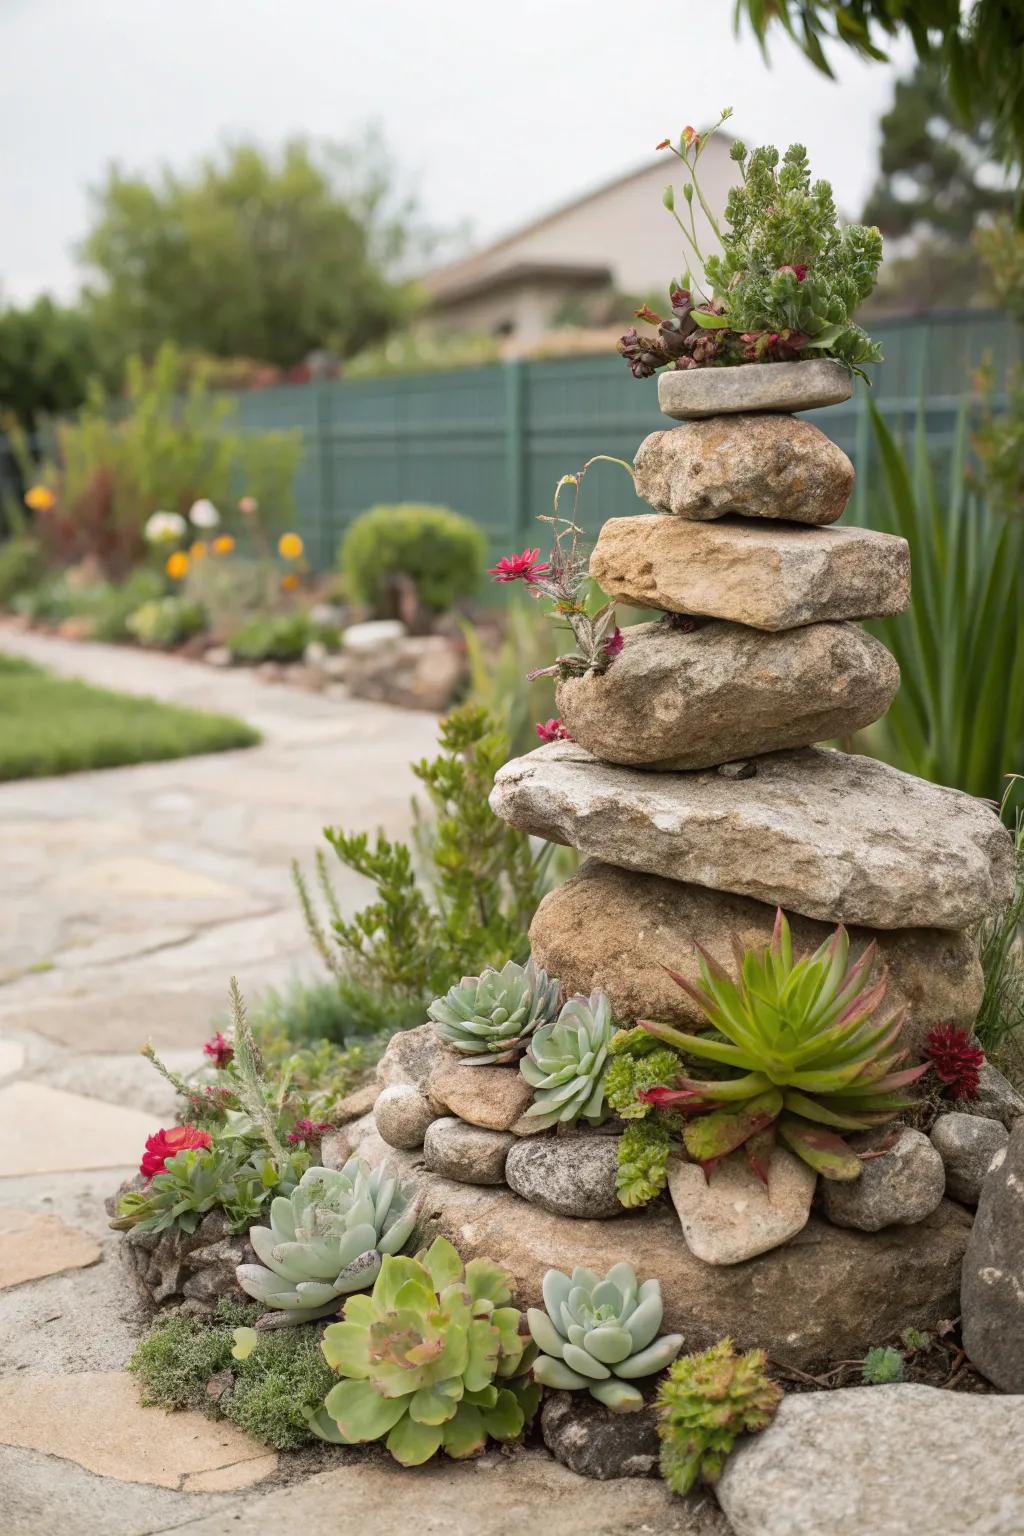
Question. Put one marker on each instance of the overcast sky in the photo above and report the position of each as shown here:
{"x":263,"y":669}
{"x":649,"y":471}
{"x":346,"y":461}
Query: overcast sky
{"x":493,"y":112}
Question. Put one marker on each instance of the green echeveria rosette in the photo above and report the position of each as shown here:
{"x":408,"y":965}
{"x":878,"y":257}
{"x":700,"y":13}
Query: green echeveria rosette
{"x":601,"y":1335}
{"x":566,"y":1062}
{"x":433,"y":1360}
{"x":489,"y":1018}
{"x":325,"y":1240}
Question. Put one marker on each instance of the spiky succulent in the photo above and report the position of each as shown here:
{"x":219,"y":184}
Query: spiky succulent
{"x":566,"y":1064}
{"x":601,"y":1335}
{"x":811,"y":1056}
{"x":433,"y":1359}
{"x":324,"y":1240}
{"x":704,"y":1403}
{"x":489,"y":1018}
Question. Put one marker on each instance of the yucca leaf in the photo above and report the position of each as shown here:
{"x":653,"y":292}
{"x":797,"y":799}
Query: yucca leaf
{"x":697,"y":1045}
{"x":811,"y":1109}
{"x":825,"y":1152}
{"x":715,"y":1135}
{"x":728,"y":1090}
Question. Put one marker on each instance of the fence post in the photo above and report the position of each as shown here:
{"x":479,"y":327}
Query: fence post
{"x":324,"y":477}
{"x":515,"y":446}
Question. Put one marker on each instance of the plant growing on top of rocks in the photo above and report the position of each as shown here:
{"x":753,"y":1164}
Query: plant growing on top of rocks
{"x":488,"y":1019}
{"x":811,"y":1057}
{"x":638,"y":1062}
{"x":324,"y":1240}
{"x":787,"y":282}
{"x":230,"y":1176}
{"x":957,"y":1062}
{"x":704,"y":1404}
{"x":881,"y":1366}
{"x":433,"y":1359}
{"x":566,"y":1062}
{"x":601,"y":1335}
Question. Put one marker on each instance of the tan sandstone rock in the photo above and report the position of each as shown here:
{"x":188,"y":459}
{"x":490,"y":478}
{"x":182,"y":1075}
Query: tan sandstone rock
{"x":491,"y":1097}
{"x":759,"y":466}
{"x":618,"y":930}
{"x":805,"y":386}
{"x":769,"y":575}
{"x":733,"y":1215}
{"x":33,"y":1245}
{"x":673,"y":699}
{"x":831,"y":835}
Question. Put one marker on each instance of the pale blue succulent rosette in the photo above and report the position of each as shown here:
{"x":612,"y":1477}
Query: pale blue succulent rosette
{"x":489,"y":1019}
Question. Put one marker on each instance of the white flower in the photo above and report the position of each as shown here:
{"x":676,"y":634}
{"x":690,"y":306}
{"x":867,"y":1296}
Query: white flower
{"x":204,"y":514}
{"x":162,"y":527}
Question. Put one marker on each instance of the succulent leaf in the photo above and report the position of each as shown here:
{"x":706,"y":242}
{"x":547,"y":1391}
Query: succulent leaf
{"x":488,"y":1019}
{"x":566,"y":1063}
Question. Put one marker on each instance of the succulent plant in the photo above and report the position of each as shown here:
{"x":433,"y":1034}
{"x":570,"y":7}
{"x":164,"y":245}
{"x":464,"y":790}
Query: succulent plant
{"x":601,"y":1334}
{"x":812,"y":1057}
{"x":324,"y":1240}
{"x":433,"y":1359}
{"x":566,"y":1063}
{"x":881,"y":1365}
{"x":704,"y":1403}
{"x":489,"y":1018}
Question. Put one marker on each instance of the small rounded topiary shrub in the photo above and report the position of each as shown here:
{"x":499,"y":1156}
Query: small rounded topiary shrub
{"x":440,"y":553}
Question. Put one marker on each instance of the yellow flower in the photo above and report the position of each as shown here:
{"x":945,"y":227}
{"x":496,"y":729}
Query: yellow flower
{"x":223,"y":544}
{"x":40,"y":498}
{"x":198,"y":550}
{"x":177,"y":565}
{"x":289,"y":582}
{"x":290,"y":546}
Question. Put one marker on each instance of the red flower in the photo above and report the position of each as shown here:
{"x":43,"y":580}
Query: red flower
{"x":799,"y":271}
{"x":219,"y":1050}
{"x":614,"y":644}
{"x":513,"y":567}
{"x":308,"y":1130}
{"x":956,"y":1061}
{"x":164,"y":1144}
{"x":552,"y":730}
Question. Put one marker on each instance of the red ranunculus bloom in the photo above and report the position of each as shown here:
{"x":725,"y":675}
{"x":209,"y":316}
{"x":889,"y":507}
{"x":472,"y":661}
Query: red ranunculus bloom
{"x":613,"y":645}
{"x":515,"y":567}
{"x":552,"y":730}
{"x":219,"y":1050}
{"x":308,"y":1130}
{"x":956,"y":1061}
{"x":164,"y":1144}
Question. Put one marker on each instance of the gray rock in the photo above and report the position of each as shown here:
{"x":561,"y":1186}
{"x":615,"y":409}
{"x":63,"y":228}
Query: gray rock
{"x":805,"y":386}
{"x":732,"y":1216}
{"x":853,"y":1463}
{"x":465,"y":1152}
{"x":996,"y":1098}
{"x":675,"y":700}
{"x":402,"y":1115}
{"x":415,"y":672}
{"x":834,"y":836}
{"x":758,"y":466}
{"x":617,"y":930}
{"x":373,"y":635}
{"x":899,"y":1187}
{"x":967,"y":1144}
{"x":194,"y":1266}
{"x":592,"y":1441}
{"x":412,"y":1055}
{"x":992,"y":1285}
{"x":218,"y":656}
{"x":766,"y":574}
{"x":568,"y":1175}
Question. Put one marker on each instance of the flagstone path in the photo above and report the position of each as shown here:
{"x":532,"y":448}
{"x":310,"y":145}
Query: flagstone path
{"x":129,"y":897}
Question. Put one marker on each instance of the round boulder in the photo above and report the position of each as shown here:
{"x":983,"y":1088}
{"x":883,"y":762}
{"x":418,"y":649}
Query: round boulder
{"x":567,"y":1175}
{"x":898,"y":1187}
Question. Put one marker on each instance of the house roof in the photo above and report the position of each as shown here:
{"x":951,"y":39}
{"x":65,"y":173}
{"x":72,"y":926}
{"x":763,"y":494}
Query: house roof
{"x":469,"y":281}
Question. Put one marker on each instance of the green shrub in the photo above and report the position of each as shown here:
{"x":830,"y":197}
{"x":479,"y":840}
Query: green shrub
{"x":21,"y":567}
{"x":166,"y":621}
{"x":440,"y":552}
{"x":272,"y":637}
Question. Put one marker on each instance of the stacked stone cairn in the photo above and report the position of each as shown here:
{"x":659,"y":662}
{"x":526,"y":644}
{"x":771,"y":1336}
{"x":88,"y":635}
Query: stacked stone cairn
{"x":694,"y":791}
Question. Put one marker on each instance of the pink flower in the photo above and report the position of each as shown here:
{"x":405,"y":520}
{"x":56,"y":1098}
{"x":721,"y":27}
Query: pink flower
{"x":552,"y":730}
{"x":513,"y":567}
{"x":957,"y":1062}
{"x":164,"y":1144}
{"x":613,"y":645}
{"x":248,"y":505}
{"x":219,"y":1050}
{"x":308,"y":1130}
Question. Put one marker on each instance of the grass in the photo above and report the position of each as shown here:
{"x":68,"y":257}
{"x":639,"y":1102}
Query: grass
{"x":51,"y":725}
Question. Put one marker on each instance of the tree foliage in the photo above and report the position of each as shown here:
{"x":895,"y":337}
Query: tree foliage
{"x":48,"y":354}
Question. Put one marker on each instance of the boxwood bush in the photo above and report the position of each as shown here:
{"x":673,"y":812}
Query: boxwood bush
{"x":442,"y":553}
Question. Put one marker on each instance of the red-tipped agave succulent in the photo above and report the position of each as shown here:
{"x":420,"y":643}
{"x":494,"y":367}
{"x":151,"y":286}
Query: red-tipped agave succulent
{"x":810,"y":1056}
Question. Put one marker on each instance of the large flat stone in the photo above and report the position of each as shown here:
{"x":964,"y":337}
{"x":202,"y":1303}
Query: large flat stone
{"x":766,"y":574}
{"x":32,"y":1246}
{"x":805,"y":386}
{"x":44,"y":1130}
{"x":828,"y":834}
{"x":724,"y":691}
{"x":853,"y":1464}
{"x":733,"y":1215}
{"x":758,"y":466}
{"x":618,"y":930}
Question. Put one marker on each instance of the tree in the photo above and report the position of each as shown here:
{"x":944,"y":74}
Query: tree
{"x":47,"y":356}
{"x":979,"y":48}
{"x":255,"y":255}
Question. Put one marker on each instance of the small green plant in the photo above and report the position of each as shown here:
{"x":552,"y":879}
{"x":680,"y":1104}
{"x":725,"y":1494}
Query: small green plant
{"x":433,"y":1359}
{"x":229,"y":1177}
{"x":811,"y":1056}
{"x":882,"y":1365}
{"x":787,"y":282}
{"x":272,"y":637}
{"x":601,"y":1335}
{"x":645,"y":1147}
{"x":704,"y":1404}
{"x":566,"y":1063}
{"x":488,"y":1019}
{"x":21,"y":566}
{"x":324,"y":1240}
{"x":639,"y":1062}
{"x":166,"y":621}
{"x":405,"y":559}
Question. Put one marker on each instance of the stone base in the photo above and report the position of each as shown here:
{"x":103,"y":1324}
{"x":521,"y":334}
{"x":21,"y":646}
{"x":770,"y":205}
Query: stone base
{"x":196,"y":1267}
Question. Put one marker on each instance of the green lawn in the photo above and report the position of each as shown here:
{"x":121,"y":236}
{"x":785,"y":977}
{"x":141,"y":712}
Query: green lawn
{"x":55,"y":725}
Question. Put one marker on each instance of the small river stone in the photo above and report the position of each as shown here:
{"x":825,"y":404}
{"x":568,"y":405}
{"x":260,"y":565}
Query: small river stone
{"x":567,"y":1175}
{"x":901,"y":1186}
{"x":465,"y":1152}
{"x":592,"y":1441}
{"x":402,"y":1114}
{"x":967,"y":1144}
{"x":733,"y":1215}
{"x":804,"y":386}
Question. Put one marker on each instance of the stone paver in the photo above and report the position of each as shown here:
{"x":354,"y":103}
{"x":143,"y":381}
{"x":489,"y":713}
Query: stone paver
{"x":33,"y":1246}
{"x":44,"y":1130}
